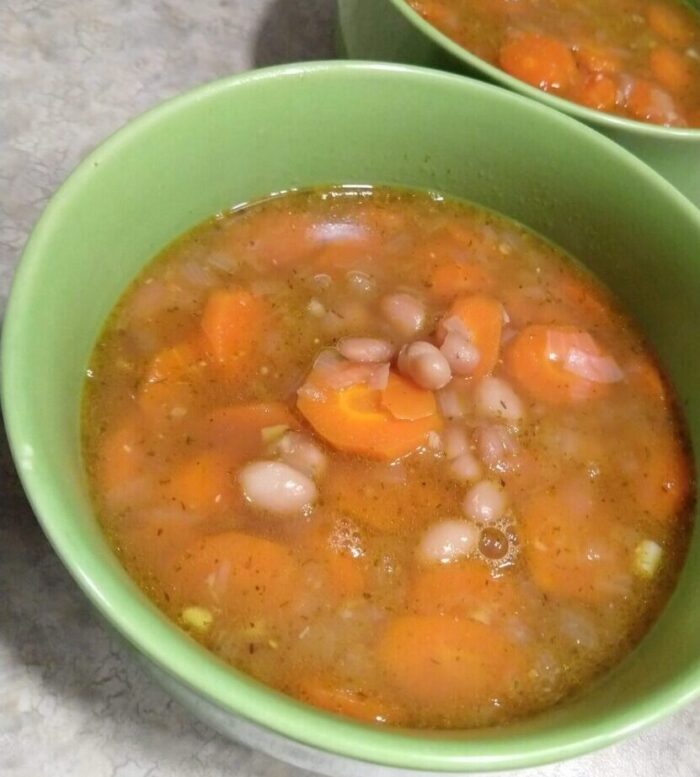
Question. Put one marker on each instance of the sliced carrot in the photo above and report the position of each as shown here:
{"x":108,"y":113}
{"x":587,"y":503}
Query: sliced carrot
{"x":168,"y":380}
{"x":353,"y":420}
{"x":233,"y":322}
{"x":573,"y":552}
{"x":597,"y":58}
{"x":528,"y":360}
{"x":540,"y":61}
{"x":202,"y":484}
{"x":671,"y":22}
{"x":246,"y":574}
{"x":483,"y":318}
{"x":453,"y":278}
{"x":598,"y":92}
{"x":466,"y":589}
{"x":333,"y":695}
{"x":406,"y":401}
{"x":120,"y":456}
{"x":648,"y":102}
{"x":670,"y":68}
{"x":448,"y":662}
{"x":665,"y":479}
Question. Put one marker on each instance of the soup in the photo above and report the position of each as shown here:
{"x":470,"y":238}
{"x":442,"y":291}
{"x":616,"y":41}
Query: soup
{"x":635,"y":58}
{"x":389,"y":453}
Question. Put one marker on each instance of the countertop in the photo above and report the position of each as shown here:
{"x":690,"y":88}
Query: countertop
{"x":72,"y":701}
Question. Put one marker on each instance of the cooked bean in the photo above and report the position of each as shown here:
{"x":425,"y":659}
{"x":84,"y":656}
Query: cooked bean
{"x":498,"y":448}
{"x":466,"y":467}
{"x":365,"y":349}
{"x":277,"y":487}
{"x":424,"y":365}
{"x":496,"y":397}
{"x":455,"y":438}
{"x":448,"y":541}
{"x":404,"y":312}
{"x":485,"y":501}
{"x":360,"y":282}
{"x":461,"y":355}
{"x":302,"y":454}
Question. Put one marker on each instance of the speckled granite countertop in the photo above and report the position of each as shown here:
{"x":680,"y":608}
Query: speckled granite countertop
{"x":72,"y":701}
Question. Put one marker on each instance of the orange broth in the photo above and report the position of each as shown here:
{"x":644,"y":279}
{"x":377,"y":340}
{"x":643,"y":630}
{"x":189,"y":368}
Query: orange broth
{"x":280,"y":460}
{"x":635,"y":58}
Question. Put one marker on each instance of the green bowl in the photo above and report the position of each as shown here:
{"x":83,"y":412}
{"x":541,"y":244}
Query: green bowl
{"x":391,"y":30}
{"x":296,"y":126}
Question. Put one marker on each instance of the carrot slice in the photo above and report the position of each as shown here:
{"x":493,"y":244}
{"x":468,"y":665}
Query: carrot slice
{"x":483,"y":318}
{"x":233,"y":322}
{"x":574,"y":551}
{"x":202,"y":484}
{"x":671,"y":22}
{"x":436,"y":660}
{"x":466,"y":589}
{"x":168,"y":381}
{"x":333,"y":695}
{"x":598,"y":92}
{"x":540,"y":61}
{"x":648,"y":102}
{"x":529,"y":361}
{"x":406,"y":401}
{"x":671,"y":69}
{"x":597,"y":58}
{"x":354,"y":420}
{"x":452,"y":278}
{"x":248,"y":575}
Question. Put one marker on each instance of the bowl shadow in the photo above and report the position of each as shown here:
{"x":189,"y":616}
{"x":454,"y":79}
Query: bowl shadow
{"x":293,"y":31}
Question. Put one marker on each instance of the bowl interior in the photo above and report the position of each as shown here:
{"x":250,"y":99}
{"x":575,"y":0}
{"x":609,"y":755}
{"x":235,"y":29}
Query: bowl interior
{"x":295,"y":126}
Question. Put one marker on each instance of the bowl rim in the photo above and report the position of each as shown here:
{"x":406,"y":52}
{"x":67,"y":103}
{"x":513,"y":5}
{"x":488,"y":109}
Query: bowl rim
{"x":607,"y":121}
{"x":164,"y":643}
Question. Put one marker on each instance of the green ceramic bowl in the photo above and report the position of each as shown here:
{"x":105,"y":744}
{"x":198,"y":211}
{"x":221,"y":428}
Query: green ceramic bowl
{"x":391,"y":30}
{"x":295,"y":126}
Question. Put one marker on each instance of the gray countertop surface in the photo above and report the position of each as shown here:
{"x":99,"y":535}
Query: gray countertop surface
{"x":72,"y":700}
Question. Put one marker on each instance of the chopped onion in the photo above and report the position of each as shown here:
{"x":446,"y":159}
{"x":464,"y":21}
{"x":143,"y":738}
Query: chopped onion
{"x":580,"y":355}
{"x":647,"y":557}
{"x":598,"y":369}
{"x":456,"y":325}
{"x":378,"y":376}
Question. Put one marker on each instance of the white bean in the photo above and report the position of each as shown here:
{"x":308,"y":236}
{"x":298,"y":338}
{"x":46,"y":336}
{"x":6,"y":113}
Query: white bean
{"x":366,"y":349}
{"x":448,"y":541}
{"x":496,"y":398}
{"x":455,"y":438}
{"x":277,"y":487}
{"x":300,"y":452}
{"x":461,"y":355}
{"x":424,"y":365}
{"x":466,"y":467}
{"x":404,"y":312}
{"x":360,"y":282}
{"x":498,"y":448}
{"x":485,"y":501}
